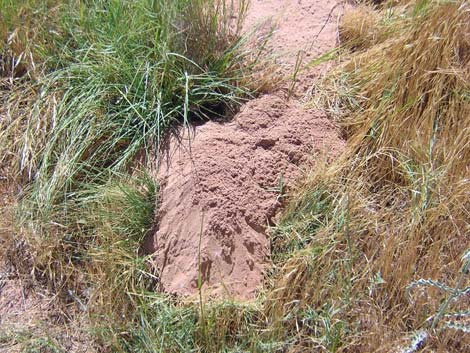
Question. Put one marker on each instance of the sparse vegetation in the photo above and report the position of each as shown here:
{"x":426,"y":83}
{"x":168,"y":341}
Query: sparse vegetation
{"x":359,"y":239}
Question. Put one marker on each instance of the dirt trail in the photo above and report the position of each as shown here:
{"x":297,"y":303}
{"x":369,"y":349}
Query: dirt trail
{"x":298,"y":26}
{"x":220,"y":183}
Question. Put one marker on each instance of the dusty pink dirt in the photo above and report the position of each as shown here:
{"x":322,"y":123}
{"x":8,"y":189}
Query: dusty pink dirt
{"x":221,"y":182}
{"x":297,"y":27}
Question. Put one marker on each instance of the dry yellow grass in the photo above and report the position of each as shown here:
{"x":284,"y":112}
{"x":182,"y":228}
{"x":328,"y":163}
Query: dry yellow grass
{"x":398,"y":199}
{"x":359,"y":27}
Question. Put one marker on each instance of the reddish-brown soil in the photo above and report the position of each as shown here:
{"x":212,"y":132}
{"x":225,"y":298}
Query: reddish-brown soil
{"x":221,"y":182}
{"x":299,"y":25}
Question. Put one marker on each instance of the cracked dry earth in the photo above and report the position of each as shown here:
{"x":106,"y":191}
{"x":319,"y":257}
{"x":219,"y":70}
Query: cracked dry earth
{"x":220,"y":182}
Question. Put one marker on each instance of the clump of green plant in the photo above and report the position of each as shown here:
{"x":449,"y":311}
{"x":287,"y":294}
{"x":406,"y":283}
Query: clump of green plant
{"x":115,"y":78}
{"x":109,"y":80}
{"x":104,"y":82}
{"x":444,"y":318}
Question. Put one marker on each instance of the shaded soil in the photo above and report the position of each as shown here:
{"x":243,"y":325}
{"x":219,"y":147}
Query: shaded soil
{"x":221,"y":183}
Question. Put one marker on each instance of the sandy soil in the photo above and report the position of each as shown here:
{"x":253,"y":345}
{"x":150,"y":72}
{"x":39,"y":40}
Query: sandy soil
{"x":299,"y":25}
{"x":221,"y":182}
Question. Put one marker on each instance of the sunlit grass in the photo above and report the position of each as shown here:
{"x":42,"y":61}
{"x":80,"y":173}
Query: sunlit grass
{"x":356,"y":241}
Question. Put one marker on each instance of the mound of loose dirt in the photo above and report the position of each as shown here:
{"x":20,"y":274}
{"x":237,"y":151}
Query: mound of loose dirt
{"x":221,"y":188}
{"x":221,"y":183}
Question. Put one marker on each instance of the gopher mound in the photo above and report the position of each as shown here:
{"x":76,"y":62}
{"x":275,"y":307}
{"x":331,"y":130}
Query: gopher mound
{"x":220,"y":189}
{"x":220,"y":183}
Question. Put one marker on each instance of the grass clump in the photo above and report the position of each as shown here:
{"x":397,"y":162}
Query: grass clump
{"x":109,"y":80}
{"x":359,"y":27}
{"x":115,"y":79}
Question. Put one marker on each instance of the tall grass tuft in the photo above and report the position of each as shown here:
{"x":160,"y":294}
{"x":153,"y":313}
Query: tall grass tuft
{"x":106,"y":81}
{"x":115,"y":79}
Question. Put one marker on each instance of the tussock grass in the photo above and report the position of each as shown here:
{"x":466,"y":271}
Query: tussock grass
{"x":105,"y":82}
{"x":358,"y":27}
{"x":116,"y":79}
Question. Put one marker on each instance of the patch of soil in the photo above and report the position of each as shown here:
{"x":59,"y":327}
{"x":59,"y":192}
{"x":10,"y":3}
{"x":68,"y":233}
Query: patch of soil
{"x":309,"y":26}
{"x":221,"y":188}
{"x":221,"y":182}
{"x":27,"y":322}
{"x":19,"y":308}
